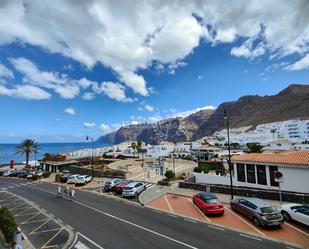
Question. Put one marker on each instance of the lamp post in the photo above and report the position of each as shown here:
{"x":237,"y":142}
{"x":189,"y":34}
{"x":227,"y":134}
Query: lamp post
{"x":226,"y":117}
{"x":90,"y":138}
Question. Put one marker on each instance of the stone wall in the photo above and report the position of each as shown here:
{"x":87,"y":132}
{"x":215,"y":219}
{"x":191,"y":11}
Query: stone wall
{"x":96,"y":173}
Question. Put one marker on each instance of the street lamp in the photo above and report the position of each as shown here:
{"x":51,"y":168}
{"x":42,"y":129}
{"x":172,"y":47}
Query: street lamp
{"x":90,"y":138}
{"x":226,"y":117}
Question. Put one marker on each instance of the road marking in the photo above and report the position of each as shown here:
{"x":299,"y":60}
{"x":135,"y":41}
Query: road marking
{"x":23,"y":211}
{"x":168,"y":204}
{"x":218,"y":228}
{"x":60,"y":220}
{"x":80,"y":245}
{"x":38,"y":227}
{"x":297,"y":229}
{"x":70,"y":227}
{"x":86,"y":238}
{"x":172,"y":215}
{"x":32,"y":221}
{"x":129,"y":222}
{"x":52,"y":215}
{"x":44,"y":210}
{"x":44,"y":246}
{"x":243,"y":220}
{"x":157,"y":211}
{"x":193,"y":221}
{"x":250,"y":237}
{"x":203,"y":215}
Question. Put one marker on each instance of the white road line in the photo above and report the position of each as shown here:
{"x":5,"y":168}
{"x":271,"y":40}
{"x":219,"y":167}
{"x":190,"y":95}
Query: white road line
{"x":60,"y":220}
{"x":193,"y":221}
{"x":44,"y":210}
{"x":297,"y":229}
{"x":288,"y":247}
{"x":52,"y":215}
{"x":86,"y":238}
{"x":80,"y":245}
{"x":218,"y":228}
{"x":70,"y":227}
{"x":157,"y":211}
{"x":250,"y":237}
{"x":172,"y":215}
{"x":130,"y":223}
{"x":198,"y":210}
{"x":168,"y":204}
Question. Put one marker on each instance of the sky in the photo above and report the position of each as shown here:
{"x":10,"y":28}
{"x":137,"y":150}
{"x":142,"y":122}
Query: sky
{"x":69,"y":69}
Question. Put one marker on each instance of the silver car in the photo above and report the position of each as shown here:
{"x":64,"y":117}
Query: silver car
{"x":262,"y":213}
{"x":111,"y":184}
{"x":133,"y":189}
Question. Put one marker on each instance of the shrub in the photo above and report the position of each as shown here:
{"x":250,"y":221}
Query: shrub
{"x":169,"y":174}
{"x":221,"y":171}
{"x":200,"y":168}
{"x":34,"y":177}
{"x":57,"y":177}
{"x":188,"y":157}
{"x":8,"y":224}
{"x":46,"y":174}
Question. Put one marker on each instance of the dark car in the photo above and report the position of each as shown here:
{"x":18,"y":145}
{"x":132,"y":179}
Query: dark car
{"x":22,"y":174}
{"x":111,"y":184}
{"x":208,"y":203}
{"x":262,"y":213}
{"x":120,"y":186}
{"x":64,"y":178}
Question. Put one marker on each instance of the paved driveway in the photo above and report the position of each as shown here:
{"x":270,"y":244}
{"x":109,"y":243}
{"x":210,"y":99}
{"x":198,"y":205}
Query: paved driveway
{"x":182,"y":205}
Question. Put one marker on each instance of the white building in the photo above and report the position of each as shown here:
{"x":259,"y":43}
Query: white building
{"x":256,"y":170}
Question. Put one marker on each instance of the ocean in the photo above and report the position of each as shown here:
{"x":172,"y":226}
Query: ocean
{"x":7,"y":151}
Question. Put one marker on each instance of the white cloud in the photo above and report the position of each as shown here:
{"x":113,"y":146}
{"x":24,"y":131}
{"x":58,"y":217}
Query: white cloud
{"x":89,"y":125}
{"x":149,"y":108}
{"x":5,"y":72}
{"x":88,"y":96}
{"x":70,"y":110}
{"x":184,"y":114}
{"x":105,"y":128}
{"x":200,"y":77}
{"x":162,"y":32}
{"x":302,"y":64}
{"x":25,"y":92}
{"x":113,"y":90}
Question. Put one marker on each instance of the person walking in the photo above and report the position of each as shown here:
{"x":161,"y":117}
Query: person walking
{"x":59,"y":194}
{"x":72,"y":193}
{"x":67,"y":191}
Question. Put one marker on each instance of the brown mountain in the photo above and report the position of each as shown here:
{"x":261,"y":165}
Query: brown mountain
{"x":291,"y":103}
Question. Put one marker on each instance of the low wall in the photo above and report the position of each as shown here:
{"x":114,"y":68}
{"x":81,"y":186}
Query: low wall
{"x":250,"y":192}
{"x":96,"y":173}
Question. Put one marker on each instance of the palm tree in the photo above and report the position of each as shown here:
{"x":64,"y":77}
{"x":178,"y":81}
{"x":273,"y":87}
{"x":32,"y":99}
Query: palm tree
{"x":273,"y":131}
{"x":139,"y":146}
{"x":133,"y":146}
{"x":26,"y":147}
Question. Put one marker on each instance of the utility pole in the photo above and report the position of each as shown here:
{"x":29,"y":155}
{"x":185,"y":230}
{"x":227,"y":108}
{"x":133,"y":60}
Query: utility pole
{"x":90,"y":138}
{"x":226,"y":117}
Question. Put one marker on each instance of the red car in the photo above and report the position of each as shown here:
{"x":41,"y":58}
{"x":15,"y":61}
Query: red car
{"x":208,"y":203}
{"x":120,"y":186}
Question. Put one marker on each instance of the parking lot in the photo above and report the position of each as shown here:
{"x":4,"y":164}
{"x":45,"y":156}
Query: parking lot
{"x":41,"y":229}
{"x":183,"y":205}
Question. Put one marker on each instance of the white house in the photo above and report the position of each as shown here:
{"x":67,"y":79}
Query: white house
{"x":256,"y":170}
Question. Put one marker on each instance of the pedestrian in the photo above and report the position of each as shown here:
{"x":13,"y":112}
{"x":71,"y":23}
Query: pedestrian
{"x":16,"y":246}
{"x":59,"y":194}
{"x":67,"y":191}
{"x":72,"y":192}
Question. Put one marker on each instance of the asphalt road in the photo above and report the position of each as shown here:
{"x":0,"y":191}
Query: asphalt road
{"x":110,"y":224}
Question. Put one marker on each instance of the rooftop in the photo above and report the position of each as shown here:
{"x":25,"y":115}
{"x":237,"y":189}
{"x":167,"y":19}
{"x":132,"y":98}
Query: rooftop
{"x":288,"y":157}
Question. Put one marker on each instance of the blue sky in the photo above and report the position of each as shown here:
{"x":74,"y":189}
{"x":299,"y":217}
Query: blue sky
{"x":88,"y":68}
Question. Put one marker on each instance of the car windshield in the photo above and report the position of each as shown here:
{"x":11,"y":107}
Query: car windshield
{"x":108,"y":183}
{"x":80,"y":177}
{"x":268,"y":210}
{"x":213,"y":201}
{"x":128,"y":188}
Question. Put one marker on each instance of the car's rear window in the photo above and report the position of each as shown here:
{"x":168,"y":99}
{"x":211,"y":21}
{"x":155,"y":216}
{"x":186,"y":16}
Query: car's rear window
{"x":268,"y":210}
{"x":128,"y":188}
{"x":213,"y":201}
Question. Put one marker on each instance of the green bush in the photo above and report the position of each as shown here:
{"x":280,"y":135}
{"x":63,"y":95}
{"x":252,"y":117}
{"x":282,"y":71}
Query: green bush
{"x":169,"y":174}
{"x":221,"y":171}
{"x":34,"y":177}
{"x":188,"y":157}
{"x":8,"y":224}
{"x":57,"y":177}
{"x":200,"y":168}
{"x":46,"y":174}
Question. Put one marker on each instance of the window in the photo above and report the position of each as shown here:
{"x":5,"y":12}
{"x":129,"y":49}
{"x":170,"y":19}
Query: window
{"x":251,"y":173}
{"x":261,"y":174}
{"x":272,"y":170}
{"x":241,"y":177}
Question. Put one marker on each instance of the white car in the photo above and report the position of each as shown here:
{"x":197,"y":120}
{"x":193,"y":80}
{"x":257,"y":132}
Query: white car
{"x":8,"y":172}
{"x":133,"y":189}
{"x":83,"y":179}
{"x":297,"y":212}
{"x":73,"y":178}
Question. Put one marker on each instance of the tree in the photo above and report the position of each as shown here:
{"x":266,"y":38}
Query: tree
{"x":133,"y":146}
{"x":255,"y":147}
{"x":169,"y":174}
{"x":273,"y":131}
{"x":26,"y":147}
{"x":139,"y":146}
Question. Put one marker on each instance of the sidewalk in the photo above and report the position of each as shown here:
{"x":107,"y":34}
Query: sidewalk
{"x":158,"y":191}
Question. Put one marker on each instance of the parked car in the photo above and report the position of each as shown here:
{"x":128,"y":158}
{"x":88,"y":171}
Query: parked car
{"x":72,"y":178}
{"x":2,"y":172}
{"x":133,"y":189}
{"x":262,"y":213}
{"x":208,"y":203}
{"x":82,"y":180}
{"x":29,"y":175}
{"x":8,"y":172}
{"x":39,"y":173}
{"x":119,"y":187}
{"x":64,"y":178}
{"x":111,"y":184}
{"x":22,"y":174}
{"x":297,"y":212}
